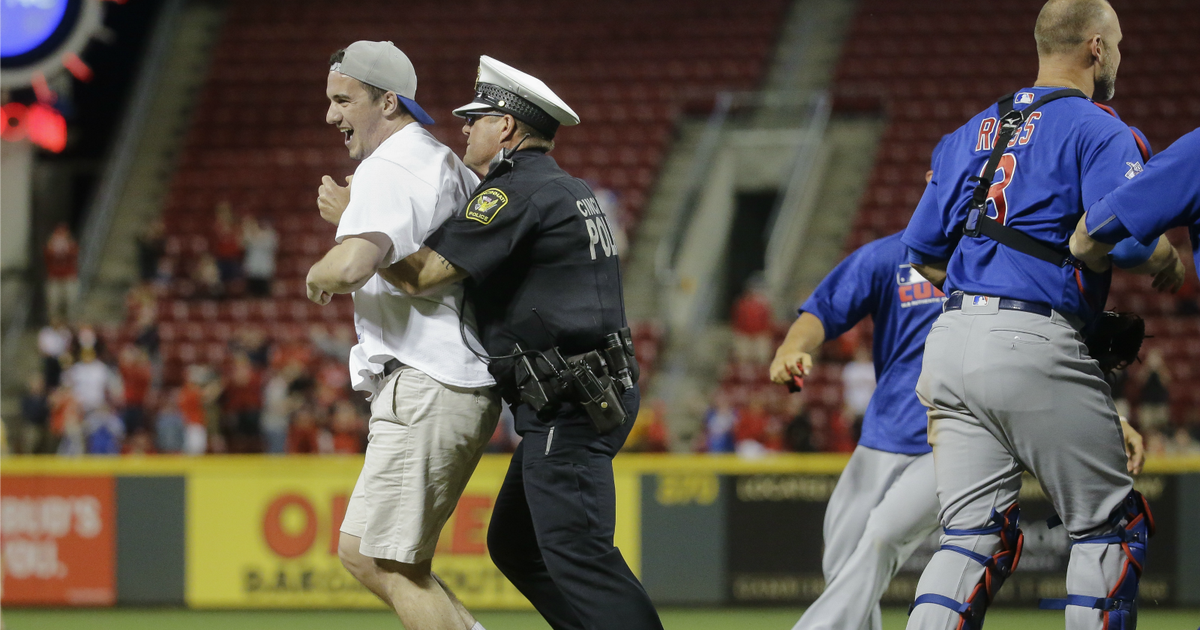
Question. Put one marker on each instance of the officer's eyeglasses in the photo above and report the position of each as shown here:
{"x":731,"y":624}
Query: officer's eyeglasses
{"x":470,"y":119}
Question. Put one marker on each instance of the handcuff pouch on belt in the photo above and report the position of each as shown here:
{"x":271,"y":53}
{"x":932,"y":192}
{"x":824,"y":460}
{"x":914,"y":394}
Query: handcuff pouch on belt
{"x":593,"y":380}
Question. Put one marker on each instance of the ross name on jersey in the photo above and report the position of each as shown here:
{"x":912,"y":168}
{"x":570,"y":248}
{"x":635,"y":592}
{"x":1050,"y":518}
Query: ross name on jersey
{"x":914,"y":289}
{"x":989,"y":130}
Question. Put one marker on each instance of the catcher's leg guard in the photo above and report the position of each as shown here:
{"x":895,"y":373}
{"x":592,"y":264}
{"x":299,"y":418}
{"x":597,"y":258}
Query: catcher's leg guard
{"x":997,"y":568}
{"x":1120,"y":607}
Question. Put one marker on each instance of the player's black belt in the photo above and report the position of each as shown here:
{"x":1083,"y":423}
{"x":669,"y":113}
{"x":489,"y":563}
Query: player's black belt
{"x":391,"y":366}
{"x":955,"y":302}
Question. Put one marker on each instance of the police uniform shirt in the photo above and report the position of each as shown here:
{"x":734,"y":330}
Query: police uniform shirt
{"x":405,"y":190}
{"x":543,"y":268}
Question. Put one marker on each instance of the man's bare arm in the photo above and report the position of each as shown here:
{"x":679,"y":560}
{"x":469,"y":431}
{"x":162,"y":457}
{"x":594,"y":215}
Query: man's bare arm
{"x":344,"y":268}
{"x":1088,"y":250}
{"x":794,"y":356}
{"x":935,"y":273}
{"x":422,"y":272}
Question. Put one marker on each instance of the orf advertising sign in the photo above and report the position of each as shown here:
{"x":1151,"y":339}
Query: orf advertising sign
{"x":265,"y":535}
{"x":56,"y":540}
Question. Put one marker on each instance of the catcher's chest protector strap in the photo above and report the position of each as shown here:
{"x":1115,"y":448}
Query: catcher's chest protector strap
{"x":978,"y":222}
{"x":996,"y":568}
{"x":1120,"y":606}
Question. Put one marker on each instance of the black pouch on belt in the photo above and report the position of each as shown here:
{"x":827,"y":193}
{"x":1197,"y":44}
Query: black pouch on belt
{"x":596,"y":392}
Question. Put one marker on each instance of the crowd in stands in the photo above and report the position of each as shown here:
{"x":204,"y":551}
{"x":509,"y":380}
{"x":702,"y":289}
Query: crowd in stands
{"x":108,"y":390}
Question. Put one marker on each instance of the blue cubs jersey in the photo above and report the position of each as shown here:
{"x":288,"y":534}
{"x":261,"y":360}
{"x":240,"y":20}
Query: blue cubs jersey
{"x":1166,"y":195}
{"x":878,"y":281}
{"x":1068,"y":155}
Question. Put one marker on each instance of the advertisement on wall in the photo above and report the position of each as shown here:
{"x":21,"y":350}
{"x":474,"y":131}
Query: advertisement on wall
{"x":266,"y":536}
{"x":772,"y":564}
{"x":56,"y":537}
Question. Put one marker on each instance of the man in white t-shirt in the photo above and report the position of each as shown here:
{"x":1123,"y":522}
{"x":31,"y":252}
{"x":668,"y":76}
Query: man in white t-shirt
{"x":433,"y":407}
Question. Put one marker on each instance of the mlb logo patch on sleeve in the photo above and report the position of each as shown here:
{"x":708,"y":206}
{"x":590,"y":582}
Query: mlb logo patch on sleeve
{"x":1024,"y":98}
{"x":485,"y":205}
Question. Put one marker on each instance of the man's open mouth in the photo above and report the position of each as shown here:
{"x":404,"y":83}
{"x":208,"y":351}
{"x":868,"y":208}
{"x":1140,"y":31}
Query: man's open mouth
{"x":348,"y":133}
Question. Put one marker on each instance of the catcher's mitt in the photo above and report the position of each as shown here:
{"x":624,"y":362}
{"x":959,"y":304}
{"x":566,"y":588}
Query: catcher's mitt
{"x":1115,"y":340}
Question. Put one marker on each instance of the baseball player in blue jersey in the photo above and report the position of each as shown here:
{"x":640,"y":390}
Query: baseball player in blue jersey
{"x":1166,"y":195}
{"x":1006,"y":376}
{"x":885,"y":503}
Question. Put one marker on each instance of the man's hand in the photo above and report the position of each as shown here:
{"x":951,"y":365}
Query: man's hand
{"x":315,"y":293}
{"x":333,"y":199}
{"x":1135,"y":452}
{"x":1171,"y":277}
{"x":789,"y":362}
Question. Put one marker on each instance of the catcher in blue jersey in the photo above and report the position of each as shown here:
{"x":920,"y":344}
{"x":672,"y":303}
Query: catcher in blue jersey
{"x":1006,"y":375}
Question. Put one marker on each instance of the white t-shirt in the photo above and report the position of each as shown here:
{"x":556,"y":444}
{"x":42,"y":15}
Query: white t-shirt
{"x":858,"y":384}
{"x":405,"y":190}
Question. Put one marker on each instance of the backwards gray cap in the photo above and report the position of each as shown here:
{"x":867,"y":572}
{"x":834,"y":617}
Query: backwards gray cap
{"x":382,"y":65}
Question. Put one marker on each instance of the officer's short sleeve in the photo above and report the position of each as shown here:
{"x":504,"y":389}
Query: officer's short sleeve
{"x":849,"y":293}
{"x":489,"y":229}
{"x":387,"y":199}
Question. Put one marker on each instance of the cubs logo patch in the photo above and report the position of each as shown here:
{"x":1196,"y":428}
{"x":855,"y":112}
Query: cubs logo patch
{"x":1134,"y":169}
{"x":485,"y":205}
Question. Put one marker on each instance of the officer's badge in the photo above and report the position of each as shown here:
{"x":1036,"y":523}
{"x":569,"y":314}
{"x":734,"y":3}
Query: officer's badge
{"x":485,"y":205}
{"x":1134,"y":169}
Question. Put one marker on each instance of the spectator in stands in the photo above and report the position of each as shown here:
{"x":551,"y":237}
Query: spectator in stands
{"x":207,"y":276}
{"x":304,"y":436}
{"x":336,"y":346}
{"x":35,"y":409}
{"x":242,"y":406}
{"x":252,"y":341}
{"x":227,"y":243}
{"x":798,"y":435}
{"x":139,"y":443}
{"x":72,"y":441}
{"x":278,"y":403}
{"x":54,"y":341}
{"x":90,"y":380}
{"x":858,"y":384}
{"x":753,"y":324}
{"x":62,"y":272}
{"x":347,"y":428}
{"x":104,"y":431}
{"x":751,"y":423}
{"x":1154,"y":406}
{"x":151,"y":245}
{"x":1182,"y":444}
{"x":649,"y":432}
{"x":191,"y":405}
{"x":169,"y":425}
{"x":718,"y":426}
{"x":134,"y":367}
{"x":261,"y":243}
{"x":64,"y":413}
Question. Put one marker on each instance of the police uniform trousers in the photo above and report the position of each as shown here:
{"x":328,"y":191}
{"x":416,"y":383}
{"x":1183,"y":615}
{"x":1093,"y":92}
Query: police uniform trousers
{"x":551,"y":532}
{"x":1009,"y":392}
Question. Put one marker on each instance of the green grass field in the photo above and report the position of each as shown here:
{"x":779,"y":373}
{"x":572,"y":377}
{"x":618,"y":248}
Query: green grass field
{"x":673,"y":619}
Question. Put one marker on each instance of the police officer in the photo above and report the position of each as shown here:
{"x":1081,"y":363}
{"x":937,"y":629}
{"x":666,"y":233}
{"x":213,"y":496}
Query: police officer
{"x":543,"y":280}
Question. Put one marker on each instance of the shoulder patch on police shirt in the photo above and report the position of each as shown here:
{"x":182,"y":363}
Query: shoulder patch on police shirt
{"x":485,"y":205}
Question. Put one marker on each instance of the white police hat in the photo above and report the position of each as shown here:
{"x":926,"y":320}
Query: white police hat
{"x":501,"y":87}
{"x":384,"y":66}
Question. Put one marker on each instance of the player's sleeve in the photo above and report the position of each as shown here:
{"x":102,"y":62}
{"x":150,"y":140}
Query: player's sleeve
{"x":491,"y":228}
{"x":929,"y":237}
{"x":387,"y":199}
{"x":849,"y":293}
{"x":1110,"y":159}
{"x":1165,"y":195}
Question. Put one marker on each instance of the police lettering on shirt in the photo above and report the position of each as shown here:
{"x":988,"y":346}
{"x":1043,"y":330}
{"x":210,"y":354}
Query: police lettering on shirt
{"x":597,"y":227}
{"x":914,"y":290}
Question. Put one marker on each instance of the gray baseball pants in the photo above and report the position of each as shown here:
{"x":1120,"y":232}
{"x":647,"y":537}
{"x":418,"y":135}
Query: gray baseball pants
{"x":884,"y":505}
{"x":1011,"y":391}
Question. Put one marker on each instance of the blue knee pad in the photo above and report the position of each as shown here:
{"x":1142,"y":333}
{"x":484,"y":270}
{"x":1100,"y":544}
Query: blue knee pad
{"x":1120,"y":607}
{"x":997,"y":568}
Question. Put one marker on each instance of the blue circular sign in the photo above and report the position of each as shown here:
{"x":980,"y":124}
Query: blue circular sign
{"x":27,"y":24}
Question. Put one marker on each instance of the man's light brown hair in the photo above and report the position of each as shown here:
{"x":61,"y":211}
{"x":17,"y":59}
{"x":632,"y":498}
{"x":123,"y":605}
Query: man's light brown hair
{"x":1063,"y":25}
